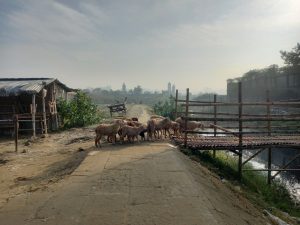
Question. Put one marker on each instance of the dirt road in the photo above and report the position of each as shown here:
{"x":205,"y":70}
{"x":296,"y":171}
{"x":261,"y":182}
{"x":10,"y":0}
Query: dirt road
{"x":145,"y":183}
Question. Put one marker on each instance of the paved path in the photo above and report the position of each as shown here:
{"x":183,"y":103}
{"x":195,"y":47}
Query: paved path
{"x":146,"y":183}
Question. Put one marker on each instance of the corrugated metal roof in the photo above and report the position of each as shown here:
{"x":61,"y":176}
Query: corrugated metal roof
{"x":18,"y":86}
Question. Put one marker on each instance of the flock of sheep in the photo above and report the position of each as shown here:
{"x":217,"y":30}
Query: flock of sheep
{"x":156,"y":128}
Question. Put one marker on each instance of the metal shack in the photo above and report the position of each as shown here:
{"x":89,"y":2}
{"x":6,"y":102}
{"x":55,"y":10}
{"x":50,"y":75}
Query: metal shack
{"x":29,"y":104}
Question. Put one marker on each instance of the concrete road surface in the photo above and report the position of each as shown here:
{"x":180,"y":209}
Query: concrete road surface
{"x":145,"y":183}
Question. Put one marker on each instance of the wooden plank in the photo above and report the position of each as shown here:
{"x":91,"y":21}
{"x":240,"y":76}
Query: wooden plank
{"x":33,"y":116}
{"x":186,"y":114}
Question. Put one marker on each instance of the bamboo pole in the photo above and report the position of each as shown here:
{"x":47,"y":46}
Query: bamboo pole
{"x":245,"y":115}
{"x":244,"y":119}
{"x":16,"y":126}
{"x":240,"y":165}
{"x":252,"y":156}
{"x":33,"y":116}
{"x":215,"y":122}
{"x":223,"y":129}
{"x":292,"y":104}
{"x":186,"y":114}
{"x":269,"y":134}
{"x":279,"y":170}
{"x":286,"y":165}
{"x":44,"y":111}
{"x":176,"y":103}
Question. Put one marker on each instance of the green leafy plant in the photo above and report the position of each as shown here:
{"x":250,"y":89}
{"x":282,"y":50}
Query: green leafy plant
{"x":166,"y":108}
{"x":78,"y":112}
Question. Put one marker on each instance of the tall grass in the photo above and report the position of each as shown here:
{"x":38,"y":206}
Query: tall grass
{"x":253,"y":183}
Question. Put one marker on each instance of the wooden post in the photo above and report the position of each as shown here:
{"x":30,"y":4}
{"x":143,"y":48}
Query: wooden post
{"x":269,"y":134}
{"x":186,"y":115}
{"x":176,"y":99}
{"x":16,"y":125}
{"x":33,"y":116}
{"x":215,"y":122}
{"x":44,"y":93}
{"x":240,"y":130}
{"x":54,"y":106}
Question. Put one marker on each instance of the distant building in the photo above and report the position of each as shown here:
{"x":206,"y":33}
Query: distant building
{"x":173,"y":89}
{"x":169,"y":88}
{"x":283,"y":85}
{"x":124,"y":88}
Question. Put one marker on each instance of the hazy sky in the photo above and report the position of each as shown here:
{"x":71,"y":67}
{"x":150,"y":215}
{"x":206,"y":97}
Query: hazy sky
{"x":193,"y":43}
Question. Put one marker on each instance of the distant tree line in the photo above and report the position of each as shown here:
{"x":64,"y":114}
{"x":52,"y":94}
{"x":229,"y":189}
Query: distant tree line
{"x":136,"y":96}
{"x":291,"y":59}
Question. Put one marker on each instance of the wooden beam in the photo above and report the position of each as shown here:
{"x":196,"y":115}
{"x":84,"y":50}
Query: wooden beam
{"x":186,"y":114}
{"x":240,"y":164}
{"x":252,"y":156}
{"x":176,"y":103}
{"x":16,"y":126}
{"x":286,"y":165}
{"x":44,"y":93}
{"x":223,"y":129}
{"x":215,"y":122}
{"x":269,"y":179}
{"x":33,"y":116}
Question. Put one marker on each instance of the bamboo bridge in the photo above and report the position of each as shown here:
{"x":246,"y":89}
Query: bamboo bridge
{"x":252,"y":127}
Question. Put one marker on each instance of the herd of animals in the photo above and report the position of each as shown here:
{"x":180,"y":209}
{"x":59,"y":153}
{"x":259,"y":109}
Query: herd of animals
{"x":157,"y":127}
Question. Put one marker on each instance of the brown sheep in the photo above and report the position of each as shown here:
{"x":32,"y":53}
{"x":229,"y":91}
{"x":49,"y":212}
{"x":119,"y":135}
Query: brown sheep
{"x":131,"y":132}
{"x":157,"y":125}
{"x":191,"y":125}
{"x":109,"y":130}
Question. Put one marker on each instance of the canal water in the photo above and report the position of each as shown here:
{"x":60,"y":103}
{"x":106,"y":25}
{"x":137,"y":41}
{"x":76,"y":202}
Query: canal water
{"x":289,"y":180}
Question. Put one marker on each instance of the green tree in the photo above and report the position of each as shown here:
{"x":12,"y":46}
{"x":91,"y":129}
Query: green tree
{"x":78,"y":112}
{"x":166,"y":108}
{"x":292,"y":58}
{"x":137,"y":90}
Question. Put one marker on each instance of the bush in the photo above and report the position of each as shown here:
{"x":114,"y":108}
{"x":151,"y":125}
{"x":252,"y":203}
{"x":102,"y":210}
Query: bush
{"x":78,"y":112}
{"x":165,"y":109}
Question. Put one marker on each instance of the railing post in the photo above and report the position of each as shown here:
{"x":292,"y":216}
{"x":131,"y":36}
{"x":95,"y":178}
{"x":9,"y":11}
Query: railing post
{"x":176,"y":102}
{"x":240,"y":130}
{"x":33,"y":116}
{"x":269,"y":134}
{"x":44,"y":112}
{"x":16,"y":128}
{"x":186,"y":115}
{"x":215,"y":121}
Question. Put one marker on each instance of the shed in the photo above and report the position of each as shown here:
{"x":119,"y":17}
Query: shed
{"x":32,"y":102}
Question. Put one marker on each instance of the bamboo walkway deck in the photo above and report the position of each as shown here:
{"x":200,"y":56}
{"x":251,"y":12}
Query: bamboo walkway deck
{"x":232,"y":142}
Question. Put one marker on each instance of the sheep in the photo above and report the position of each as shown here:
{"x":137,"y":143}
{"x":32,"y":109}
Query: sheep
{"x":174,"y":126}
{"x":142,"y":133}
{"x":151,"y":129}
{"x":109,"y":130}
{"x":156,"y":117}
{"x":157,"y":125}
{"x":131,"y":132}
{"x":191,"y":125}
